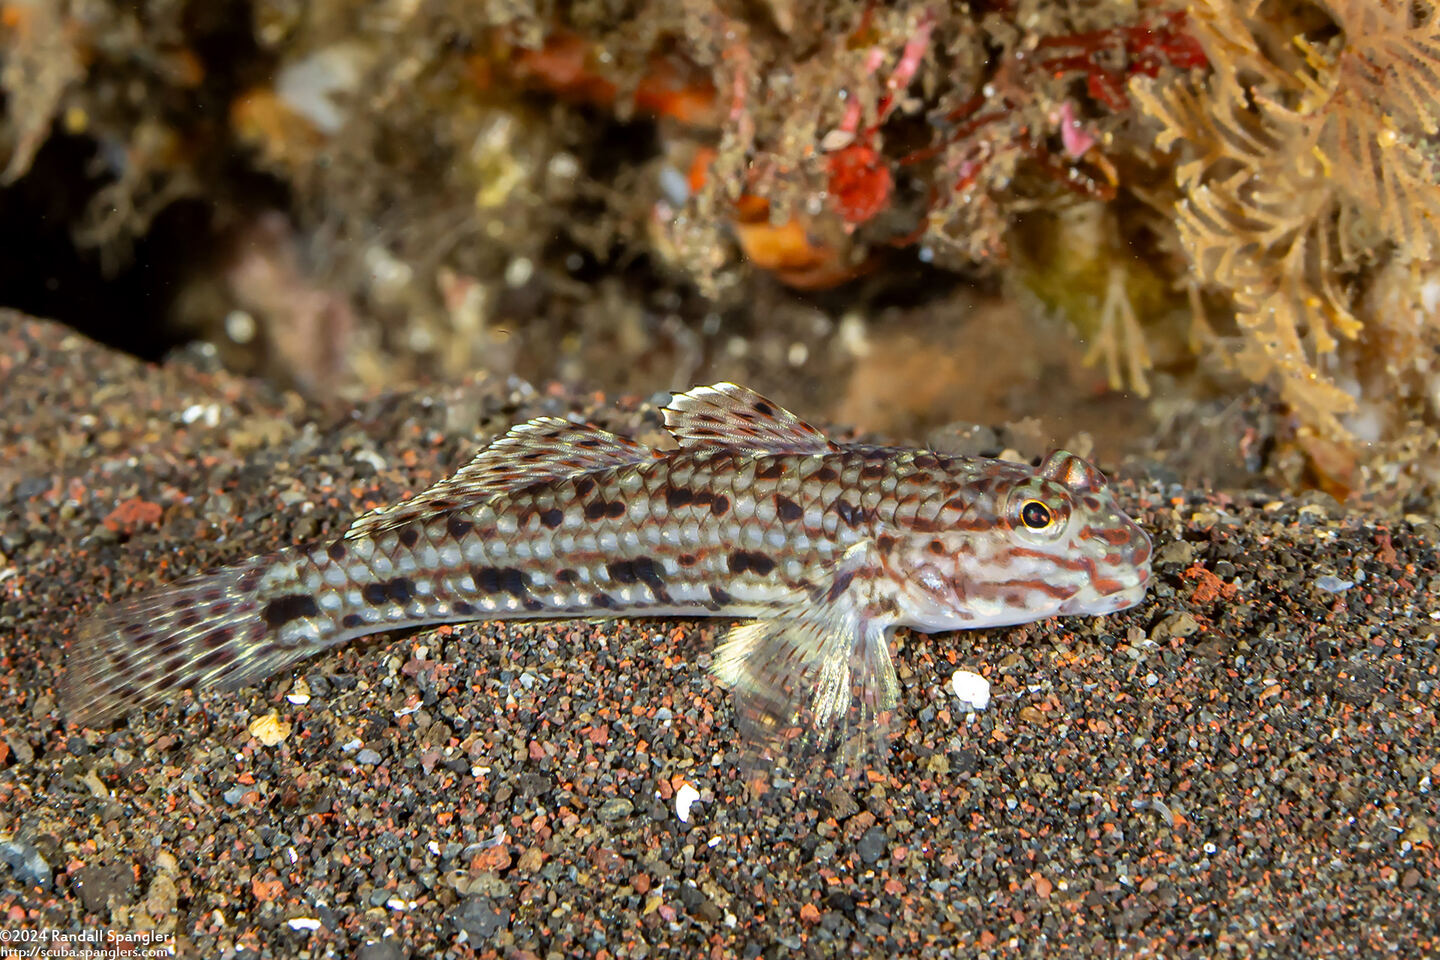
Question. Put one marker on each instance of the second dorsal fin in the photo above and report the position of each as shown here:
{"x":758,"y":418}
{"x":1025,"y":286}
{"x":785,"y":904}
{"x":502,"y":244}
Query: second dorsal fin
{"x":546,"y":448}
{"x":728,"y":415}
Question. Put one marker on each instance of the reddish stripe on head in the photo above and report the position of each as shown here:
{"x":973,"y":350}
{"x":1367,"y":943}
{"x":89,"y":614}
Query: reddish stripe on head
{"x":1106,"y":586}
{"x":1115,"y":536}
{"x":1079,"y":564}
{"x":1054,"y":590}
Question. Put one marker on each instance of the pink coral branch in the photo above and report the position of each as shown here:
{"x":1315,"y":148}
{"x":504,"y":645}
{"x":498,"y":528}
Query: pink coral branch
{"x":1073,"y":135}
{"x":899,"y":79}
{"x":850,"y":122}
{"x":909,"y":64}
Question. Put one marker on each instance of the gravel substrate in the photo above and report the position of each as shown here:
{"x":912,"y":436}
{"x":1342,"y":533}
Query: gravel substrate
{"x":1245,"y":764}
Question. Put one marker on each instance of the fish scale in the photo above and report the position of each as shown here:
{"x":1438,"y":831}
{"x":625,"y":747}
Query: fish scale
{"x":827,"y":547}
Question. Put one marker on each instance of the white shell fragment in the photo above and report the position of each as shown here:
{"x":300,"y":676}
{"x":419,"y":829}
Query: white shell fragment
{"x":685,"y":797}
{"x":972,"y":689}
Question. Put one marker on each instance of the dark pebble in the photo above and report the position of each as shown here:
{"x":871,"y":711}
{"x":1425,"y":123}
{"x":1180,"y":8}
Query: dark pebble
{"x":873,"y":845}
{"x":478,"y":918}
{"x":389,"y":949}
{"x":105,"y":885}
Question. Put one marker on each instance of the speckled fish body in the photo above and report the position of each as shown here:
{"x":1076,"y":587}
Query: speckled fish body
{"x":757,"y":515}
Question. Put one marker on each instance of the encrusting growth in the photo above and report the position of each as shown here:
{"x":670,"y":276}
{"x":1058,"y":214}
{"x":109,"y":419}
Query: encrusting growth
{"x":1296,"y":173}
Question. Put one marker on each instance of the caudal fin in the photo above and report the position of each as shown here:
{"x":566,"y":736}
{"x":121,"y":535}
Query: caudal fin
{"x":208,"y":630}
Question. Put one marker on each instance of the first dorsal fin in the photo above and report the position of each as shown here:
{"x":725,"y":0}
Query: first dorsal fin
{"x":546,"y":448}
{"x":728,"y":415}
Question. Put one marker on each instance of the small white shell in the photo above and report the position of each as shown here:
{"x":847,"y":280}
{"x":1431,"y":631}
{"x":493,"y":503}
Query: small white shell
{"x":685,"y":797}
{"x":972,"y":689}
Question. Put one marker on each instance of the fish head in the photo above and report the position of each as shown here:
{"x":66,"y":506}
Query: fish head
{"x":1033,"y":544}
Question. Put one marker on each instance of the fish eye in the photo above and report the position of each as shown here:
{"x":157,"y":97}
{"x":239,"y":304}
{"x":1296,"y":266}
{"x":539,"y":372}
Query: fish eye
{"x":1036,"y":515}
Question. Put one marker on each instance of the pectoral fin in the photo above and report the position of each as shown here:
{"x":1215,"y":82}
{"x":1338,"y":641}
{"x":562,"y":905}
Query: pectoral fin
{"x":819,"y":679}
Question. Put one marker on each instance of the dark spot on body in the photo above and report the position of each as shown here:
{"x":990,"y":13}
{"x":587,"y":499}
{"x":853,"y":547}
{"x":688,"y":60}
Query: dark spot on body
{"x":457,"y":527}
{"x":408,"y":535}
{"x":602,"y":600}
{"x":827,"y":474}
{"x":874,"y":453}
{"x":463,"y":608}
{"x":513,"y":582}
{"x":595,"y":509}
{"x":772,"y":469}
{"x":374,"y":593}
{"x":885,"y":542}
{"x":336,"y":551}
{"x":677,"y":497}
{"x":640,"y":570}
{"x":850,"y":515}
{"x":583,"y":486}
{"x":872,"y":471}
{"x":926,"y":461}
{"x":649,"y":574}
{"x":400,"y":590}
{"x":787,"y":509}
{"x":217,"y":637}
{"x":721,"y":596}
{"x":615,"y":509}
{"x":937,"y":547}
{"x":553,"y":517}
{"x":748,"y":560}
{"x":720,"y":505}
{"x":840,"y":584}
{"x":352,"y":621}
{"x":567,"y":576}
{"x":687,"y":559}
{"x":763,"y":408}
{"x":294,"y":606}
{"x":215,"y":658}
